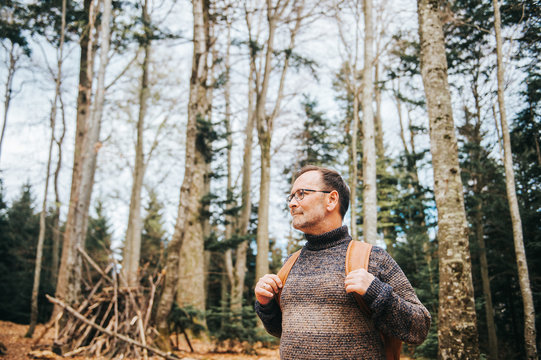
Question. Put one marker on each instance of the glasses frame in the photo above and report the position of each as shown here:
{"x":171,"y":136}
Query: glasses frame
{"x":302,"y":194}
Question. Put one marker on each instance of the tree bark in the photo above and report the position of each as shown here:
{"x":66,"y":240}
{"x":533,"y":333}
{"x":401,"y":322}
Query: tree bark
{"x":354,"y":171}
{"x":239,"y":272}
{"x":132,"y":246}
{"x":69,"y":273}
{"x":522,"y":265}
{"x":188,"y":229}
{"x":457,"y":324}
{"x":370,"y":210}
{"x":8,"y":95}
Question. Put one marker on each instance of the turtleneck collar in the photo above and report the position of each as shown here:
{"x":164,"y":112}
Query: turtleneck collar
{"x":328,"y":239}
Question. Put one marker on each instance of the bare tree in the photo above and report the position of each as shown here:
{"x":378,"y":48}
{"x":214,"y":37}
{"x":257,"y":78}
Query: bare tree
{"x":351,"y":75}
{"x":132,"y":246}
{"x":43,"y":213}
{"x":264,"y":122}
{"x":457,"y":324}
{"x":87,"y":145}
{"x":520,"y":253}
{"x":188,"y":230}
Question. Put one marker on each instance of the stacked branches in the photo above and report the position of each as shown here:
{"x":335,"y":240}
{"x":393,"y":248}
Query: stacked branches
{"x":112,"y":321}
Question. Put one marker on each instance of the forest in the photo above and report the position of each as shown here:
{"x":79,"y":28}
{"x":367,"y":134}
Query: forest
{"x":148,"y":146}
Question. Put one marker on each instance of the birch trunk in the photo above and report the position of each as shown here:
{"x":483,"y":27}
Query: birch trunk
{"x":457,"y":327}
{"x":132,"y":246}
{"x":354,"y":171}
{"x":240,"y":269}
{"x":520,"y":253}
{"x":370,"y":210}
{"x":69,"y":273}
{"x":188,"y":229}
{"x":42,"y":215}
{"x":380,"y":149}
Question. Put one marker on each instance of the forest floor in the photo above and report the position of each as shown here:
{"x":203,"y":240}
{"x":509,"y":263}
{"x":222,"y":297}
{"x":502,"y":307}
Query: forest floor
{"x":17,"y":347}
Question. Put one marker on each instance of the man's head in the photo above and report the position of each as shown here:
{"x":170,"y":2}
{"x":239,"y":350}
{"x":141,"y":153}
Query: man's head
{"x":319,"y":200}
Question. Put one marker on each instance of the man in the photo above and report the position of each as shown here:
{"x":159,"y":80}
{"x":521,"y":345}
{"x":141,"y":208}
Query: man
{"x":318,"y":317}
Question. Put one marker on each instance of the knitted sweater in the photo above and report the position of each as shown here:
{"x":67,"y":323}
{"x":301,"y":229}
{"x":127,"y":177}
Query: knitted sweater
{"x":317,"y":319}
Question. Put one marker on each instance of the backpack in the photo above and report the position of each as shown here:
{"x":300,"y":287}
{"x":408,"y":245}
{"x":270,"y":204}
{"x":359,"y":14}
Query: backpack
{"x":357,"y":257}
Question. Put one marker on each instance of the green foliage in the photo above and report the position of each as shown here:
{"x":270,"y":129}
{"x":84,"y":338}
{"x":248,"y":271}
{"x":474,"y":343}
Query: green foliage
{"x":19,"y":229}
{"x":231,"y":329}
{"x":153,"y":241}
{"x":98,"y":239}
{"x":186,"y":319}
{"x":14,"y":25}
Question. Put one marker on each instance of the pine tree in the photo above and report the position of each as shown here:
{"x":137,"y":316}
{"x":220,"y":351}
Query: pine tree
{"x":17,"y":255}
{"x":98,"y":239}
{"x":153,"y":238}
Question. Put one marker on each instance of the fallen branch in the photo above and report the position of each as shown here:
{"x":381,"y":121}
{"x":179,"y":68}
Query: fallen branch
{"x":108,"y":332}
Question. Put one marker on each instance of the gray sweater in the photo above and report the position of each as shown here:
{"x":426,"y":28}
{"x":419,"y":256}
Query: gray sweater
{"x":317,"y":319}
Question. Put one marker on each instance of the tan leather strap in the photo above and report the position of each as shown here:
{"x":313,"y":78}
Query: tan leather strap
{"x":284,"y":272}
{"x":357,"y":257}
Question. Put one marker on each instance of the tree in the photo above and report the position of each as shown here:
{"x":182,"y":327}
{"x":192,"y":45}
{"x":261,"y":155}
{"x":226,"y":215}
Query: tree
{"x":370,"y":209}
{"x":13,"y":38}
{"x":188,"y":226}
{"x":349,"y":77}
{"x":153,"y":236}
{"x":41,"y":237}
{"x":17,"y":250}
{"x":69,"y":274}
{"x":132,"y":246}
{"x":457,"y":325}
{"x":524,"y":279}
{"x":281,"y":11}
{"x":98,"y":239}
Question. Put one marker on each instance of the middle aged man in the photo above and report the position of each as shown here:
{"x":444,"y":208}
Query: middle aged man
{"x":318,"y":317}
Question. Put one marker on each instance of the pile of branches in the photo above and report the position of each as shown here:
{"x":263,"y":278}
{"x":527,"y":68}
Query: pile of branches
{"x":112,"y":321}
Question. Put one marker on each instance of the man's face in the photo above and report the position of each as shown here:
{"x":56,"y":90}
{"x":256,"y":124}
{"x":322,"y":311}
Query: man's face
{"x":309,"y":212}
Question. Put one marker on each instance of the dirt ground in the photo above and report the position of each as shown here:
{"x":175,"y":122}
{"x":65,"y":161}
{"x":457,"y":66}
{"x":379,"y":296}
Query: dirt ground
{"x":18,"y":347}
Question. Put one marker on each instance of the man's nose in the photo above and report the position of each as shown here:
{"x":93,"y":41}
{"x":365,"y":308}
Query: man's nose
{"x":293,"y":203}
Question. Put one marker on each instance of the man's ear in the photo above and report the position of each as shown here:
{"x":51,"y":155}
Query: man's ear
{"x":332,"y":203}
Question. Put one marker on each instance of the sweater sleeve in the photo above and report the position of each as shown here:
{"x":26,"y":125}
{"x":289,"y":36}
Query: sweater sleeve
{"x":396,"y":310}
{"x":271,"y":316}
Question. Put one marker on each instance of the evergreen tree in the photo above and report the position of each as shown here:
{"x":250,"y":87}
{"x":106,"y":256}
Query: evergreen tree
{"x":17,"y":255}
{"x":153,"y":237}
{"x":98,"y":239}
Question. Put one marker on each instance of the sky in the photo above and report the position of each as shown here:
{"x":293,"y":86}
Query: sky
{"x":24,"y":152}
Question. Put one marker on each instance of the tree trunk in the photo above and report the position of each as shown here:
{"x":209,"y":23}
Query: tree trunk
{"x":228,"y":281}
{"x":239,"y":273}
{"x":42,"y":215}
{"x":370,"y":210}
{"x":522,"y":266}
{"x":12,"y":68}
{"x":187,"y":236}
{"x":489,"y":308}
{"x":69,"y":274}
{"x":457,"y":327}
{"x":132,"y":246}
{"x":264,"y":123}
{"x":57,"y":234}
{"x":354,"y":171}
{"x":380,"y":149}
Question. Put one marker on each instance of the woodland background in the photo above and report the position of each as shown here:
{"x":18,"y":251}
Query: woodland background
{"x":164,"y":135}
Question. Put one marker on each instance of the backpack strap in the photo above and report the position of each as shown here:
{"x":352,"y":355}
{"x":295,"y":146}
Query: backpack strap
{"x":357,"y":257}
{"x":284,"y":272}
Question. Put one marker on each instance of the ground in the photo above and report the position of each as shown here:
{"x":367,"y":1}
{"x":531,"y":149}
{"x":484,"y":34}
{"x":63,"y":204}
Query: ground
{"x":18,"y":347}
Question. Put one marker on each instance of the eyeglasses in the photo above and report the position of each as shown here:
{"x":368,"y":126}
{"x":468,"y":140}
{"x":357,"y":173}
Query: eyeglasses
{"x":299,"y":194}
